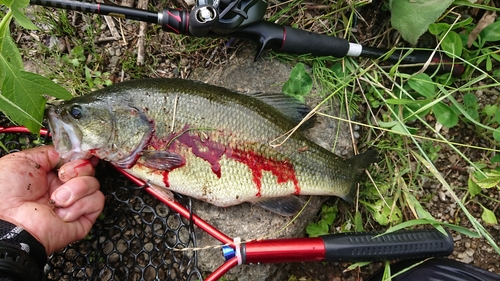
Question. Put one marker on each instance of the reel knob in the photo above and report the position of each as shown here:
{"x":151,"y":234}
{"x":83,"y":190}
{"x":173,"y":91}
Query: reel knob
{"x":201,"y":19}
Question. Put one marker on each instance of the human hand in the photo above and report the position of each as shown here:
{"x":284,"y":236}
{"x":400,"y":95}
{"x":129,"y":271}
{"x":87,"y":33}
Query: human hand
{"x":28,"y":182}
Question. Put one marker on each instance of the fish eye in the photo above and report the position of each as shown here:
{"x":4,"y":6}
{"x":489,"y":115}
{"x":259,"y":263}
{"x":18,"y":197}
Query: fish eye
{"x":76,"y":111}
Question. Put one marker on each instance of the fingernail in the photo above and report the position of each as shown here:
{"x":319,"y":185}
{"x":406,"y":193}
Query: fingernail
{"x":62,"y":174}
{"x":62,"y":196}
{"x":61,"y":212}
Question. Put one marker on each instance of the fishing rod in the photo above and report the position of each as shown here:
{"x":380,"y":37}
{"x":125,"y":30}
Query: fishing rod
{"x":351,"y":247}
{"x":243,"y":19}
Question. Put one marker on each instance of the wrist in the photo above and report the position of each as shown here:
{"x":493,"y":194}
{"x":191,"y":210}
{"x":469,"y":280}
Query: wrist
{"x":22,"y":257}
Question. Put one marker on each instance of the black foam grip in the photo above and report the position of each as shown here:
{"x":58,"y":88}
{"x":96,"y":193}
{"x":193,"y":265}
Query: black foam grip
{"x":397,"y":245}
{"x":298,"y":41}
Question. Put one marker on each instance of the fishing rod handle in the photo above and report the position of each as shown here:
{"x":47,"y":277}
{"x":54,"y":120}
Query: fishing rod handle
{"x":392,"y":246}
{"x":291,"y":40}
{"x":297,"y":41}
{"x":366,"y":246}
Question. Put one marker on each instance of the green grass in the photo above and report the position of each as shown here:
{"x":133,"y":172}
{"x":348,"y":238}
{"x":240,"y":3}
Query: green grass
{"x":401,"y":118}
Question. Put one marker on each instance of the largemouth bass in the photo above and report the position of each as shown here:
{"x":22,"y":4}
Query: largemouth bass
{"x":204,"y":141}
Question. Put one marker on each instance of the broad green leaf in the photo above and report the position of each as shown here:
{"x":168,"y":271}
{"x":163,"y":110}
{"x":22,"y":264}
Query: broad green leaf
{"x":9,"y":54}
{"x":452,"y":43}
{"x":19,"y":115}
{"x":412,"y":18}
{"x":338,"y":70}
{"x":495,"y":159}
{"x":16,"y":10}
{"x":322,"y":227}
{"x":316,"y":229}
{"x":422,"y":84}
{"x":495,"y":56}
{"x":491,"y":33}
{"x":7,"y":3}
{"x":488,"y":216}
{"x":88,"y":77}
{"x":438,"y":28}
{"x":299,"y":84}
{"x":470,"y":100}
{"x":402,"y":129}
{"x":492,"y":179}
{"x":387,"y":124}
{"x":489,"y":64}
{"x":473,"y":113}
{"x":496,"y":134}
{"x":497,"y":117}
{"x":490,"y":109}
{"x":23,"y":95}
{"x":385,"y":212}
{"x":445,"y":115}
{"x":18,"y":14}
{"x":474,"y":189}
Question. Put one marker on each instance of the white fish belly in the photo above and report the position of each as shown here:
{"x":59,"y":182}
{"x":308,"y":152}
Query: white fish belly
{"x":226,"y":183}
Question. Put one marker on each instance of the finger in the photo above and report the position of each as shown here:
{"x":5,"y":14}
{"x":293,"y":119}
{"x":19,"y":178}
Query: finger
{"x":88,"y":207}
{"x":44,"y":157}
{"x":78,"y":228}
{"x":74,"y":190}
{"x":94,"y":161}
{"x":74,"y":169}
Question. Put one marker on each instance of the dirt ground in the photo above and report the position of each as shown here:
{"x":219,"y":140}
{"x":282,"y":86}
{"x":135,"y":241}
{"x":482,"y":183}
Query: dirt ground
{"x":163,"y":58}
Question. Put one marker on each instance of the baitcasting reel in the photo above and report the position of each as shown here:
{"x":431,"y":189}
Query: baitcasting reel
{"x":224,"y":16}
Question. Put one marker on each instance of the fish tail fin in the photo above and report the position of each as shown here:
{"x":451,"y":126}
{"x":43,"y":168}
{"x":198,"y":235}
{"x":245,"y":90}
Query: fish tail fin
{"x":359,"y":163}
{"x":363,"y":160}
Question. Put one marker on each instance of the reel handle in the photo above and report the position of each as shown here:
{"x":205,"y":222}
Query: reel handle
{"x":201,"y":19}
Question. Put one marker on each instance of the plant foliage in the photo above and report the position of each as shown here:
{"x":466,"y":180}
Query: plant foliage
{"x":22,"y":96}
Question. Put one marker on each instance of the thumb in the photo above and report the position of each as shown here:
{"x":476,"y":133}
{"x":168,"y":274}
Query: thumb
{"x":45,"y":157}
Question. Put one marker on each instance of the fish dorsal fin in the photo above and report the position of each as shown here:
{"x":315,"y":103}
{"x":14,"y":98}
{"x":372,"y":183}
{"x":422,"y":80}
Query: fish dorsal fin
{"x":292,"y":108}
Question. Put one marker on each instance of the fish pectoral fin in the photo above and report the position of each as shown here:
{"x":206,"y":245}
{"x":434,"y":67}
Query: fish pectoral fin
{"x":285,"y":206}
{"x":161,"y":160}
{"x":165,"y":193}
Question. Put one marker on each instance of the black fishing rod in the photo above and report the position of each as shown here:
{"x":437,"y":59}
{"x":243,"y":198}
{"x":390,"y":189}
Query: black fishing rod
{"x":243,"y":19}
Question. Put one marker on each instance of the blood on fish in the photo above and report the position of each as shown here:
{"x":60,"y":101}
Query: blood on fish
{"x":282,"y":170}
{"x":207,"y":150}
{"x":165,"y":179}
{"x":212,"y":152}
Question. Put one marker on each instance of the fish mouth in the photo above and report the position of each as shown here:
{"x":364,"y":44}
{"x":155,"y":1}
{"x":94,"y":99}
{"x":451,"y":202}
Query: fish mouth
{"x":65,"y":137}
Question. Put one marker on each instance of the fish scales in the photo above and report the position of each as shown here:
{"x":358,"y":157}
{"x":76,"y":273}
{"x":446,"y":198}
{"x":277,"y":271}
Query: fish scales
{"x":256,"y":127}
{"x":220,"y":141}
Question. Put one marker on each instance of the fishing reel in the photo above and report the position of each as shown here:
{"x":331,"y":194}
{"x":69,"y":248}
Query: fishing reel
{"x":224,"y":16}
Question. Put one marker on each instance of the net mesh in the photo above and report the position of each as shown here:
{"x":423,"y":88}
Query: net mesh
{"x":135,"y":238}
